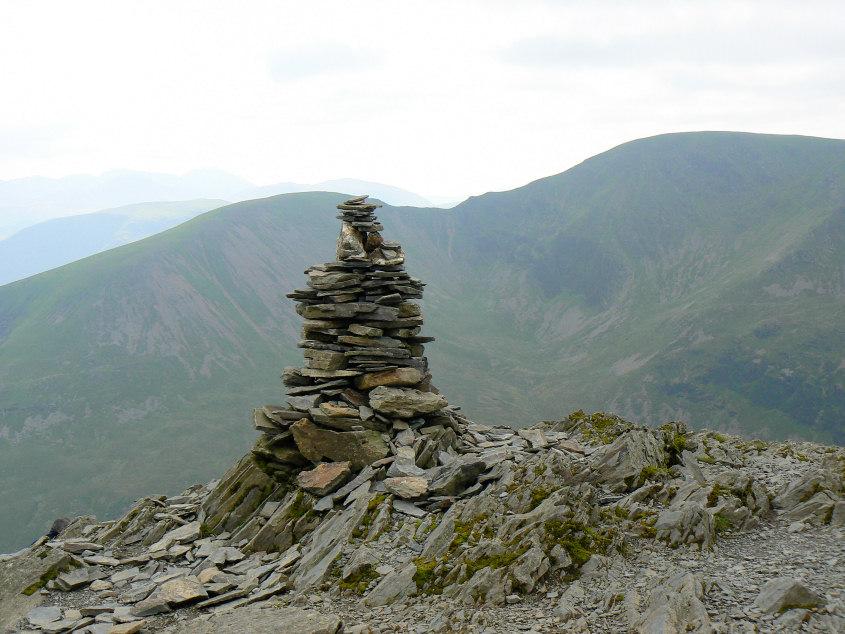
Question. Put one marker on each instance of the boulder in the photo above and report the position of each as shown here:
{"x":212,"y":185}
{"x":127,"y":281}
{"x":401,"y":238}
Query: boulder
{"x":529,"y":569}
{"x":237,"y":495}
{"x":535,"y":437}
{"x":571,"y":602}
{"x":43,"y":615}
{"x":817,"y":510}
{"x":360,"y":448}
{"x":488,"y":585}
{"x":181,"y":590}
{"x":404,"y":402}
{"x":79,"y":577}
{"x":785,"y":593}
{"x":394,"y":586}
{"x":675,"y":606}
{"x":188,"y":533}
{"x":399,"y":377}
{"x":801,"y":489}
{"x":324,"y":478}
{"x":456,"y":476}
{"x":364,"y":559}
{"x":837,"y":516}
{"x":408,"y":488}
{"x":622,"y":462}
{"x":327,"y":542}
{"x":686,"y":523}
{"x":22,"y":576}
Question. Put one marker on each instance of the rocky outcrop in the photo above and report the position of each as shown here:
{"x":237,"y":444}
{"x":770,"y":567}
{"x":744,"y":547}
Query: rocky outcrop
{"x":675,"y":606}
{"x":367,"y":498}
{"x":528,"y":515}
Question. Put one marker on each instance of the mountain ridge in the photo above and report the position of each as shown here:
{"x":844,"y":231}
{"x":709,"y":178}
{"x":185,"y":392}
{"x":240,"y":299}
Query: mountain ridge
{"x":543,"y":300}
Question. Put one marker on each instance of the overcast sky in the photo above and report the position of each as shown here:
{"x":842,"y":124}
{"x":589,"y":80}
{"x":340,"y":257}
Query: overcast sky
{"x":442,"y":98}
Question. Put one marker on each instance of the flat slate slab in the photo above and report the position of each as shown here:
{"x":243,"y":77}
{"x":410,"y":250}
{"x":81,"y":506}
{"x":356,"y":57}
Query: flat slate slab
{"x":261,"y":621}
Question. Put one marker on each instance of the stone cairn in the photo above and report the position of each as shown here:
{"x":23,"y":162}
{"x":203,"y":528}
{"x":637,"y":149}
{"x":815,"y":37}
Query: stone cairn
{"x":365,"y":395}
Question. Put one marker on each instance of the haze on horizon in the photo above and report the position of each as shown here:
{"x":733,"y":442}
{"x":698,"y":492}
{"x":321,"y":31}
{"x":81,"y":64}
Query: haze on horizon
{"x":444,"y":99}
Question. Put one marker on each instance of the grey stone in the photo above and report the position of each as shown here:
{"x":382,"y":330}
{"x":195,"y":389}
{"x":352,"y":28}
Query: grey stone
{"x":324,"y":478}
{"x":261,"y":620}
{"x":43,"y":615}
{"x":440,"y":538}
{"x":77,"y":546}
{"x":350,"y":243}
{"x":535,"y":437}
{"x":837,"y":516}
{"x":21,"y":576}
{"x":569,"y":606}
{"x":688,"y":523}
{"x":393,"y":587}
{"x":408,"y":508}
{"x":268,"y":509}
{"x":363,"y":476}
{"x":486,"y":585}
{"x":154,"y":604}
{"x":188,"y":533}
{"x":225,"y":554}
{"x":358,"y":447}
{"x":138,"y":592}
{"x":800,"y":489}
{"x":408,"y":488}
{"x":675,"y":606}
{"x":454,"y":477}
{"x":360,"y":492}
{"x":530,"y":568}
{"x":816,"y":510}
{"x":403,"y":469}
{"x":94,"y":610}
{"x":324,"y":504}
{"x":326,"y":544}
{"x":785,"y":593}
{"x":128,"y":628}
{"x":405,"y":402}
{"x":78,"y":577}
{"x":364,"y":559}
{"x":181,"y":591}
{"x":223,"y":597}
{"x":100,"y":560}
{"x":491,"y":457}
{"x":691,"y":465}
{"x":620,"y":464}
{"x":65,"y":625}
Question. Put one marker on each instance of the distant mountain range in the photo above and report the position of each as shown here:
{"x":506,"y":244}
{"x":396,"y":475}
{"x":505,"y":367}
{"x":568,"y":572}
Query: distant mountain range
{"x":28,"y":201}
{"x":40,"y":245}
{"x":25,"y":202}
{"x":59,"y":241}
{"x":695,"y":276}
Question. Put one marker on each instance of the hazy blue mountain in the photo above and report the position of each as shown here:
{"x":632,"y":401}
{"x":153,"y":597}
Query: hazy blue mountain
{"x":28,"y":201}
{"x":53,"y":243}
{"x":693,"y":276}
{"x":387,"y":193}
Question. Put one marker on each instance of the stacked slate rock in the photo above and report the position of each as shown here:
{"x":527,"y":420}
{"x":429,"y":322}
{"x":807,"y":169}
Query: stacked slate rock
{"x":365,"y":381}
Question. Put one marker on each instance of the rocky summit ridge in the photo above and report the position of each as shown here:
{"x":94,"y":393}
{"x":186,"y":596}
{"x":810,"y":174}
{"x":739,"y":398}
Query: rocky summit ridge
{"x":369,"y":505}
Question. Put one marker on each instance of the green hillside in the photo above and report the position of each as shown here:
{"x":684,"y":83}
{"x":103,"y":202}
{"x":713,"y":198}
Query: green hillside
{"x":690,"y":276}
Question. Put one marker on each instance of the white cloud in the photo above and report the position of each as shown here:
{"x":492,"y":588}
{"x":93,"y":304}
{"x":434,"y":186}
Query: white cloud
{"x":331,"y":58}
{"x":438,"y":97}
